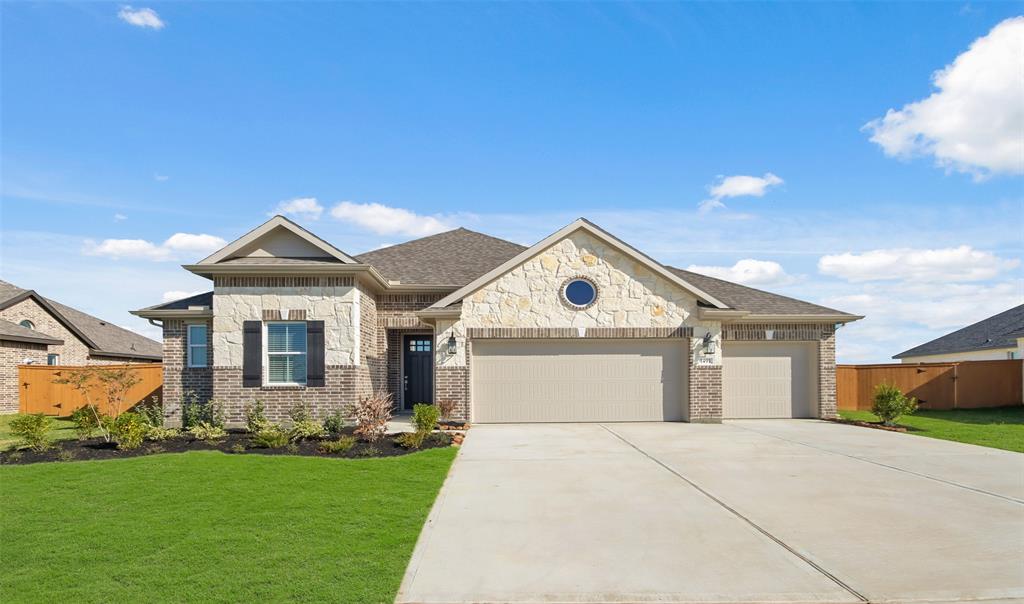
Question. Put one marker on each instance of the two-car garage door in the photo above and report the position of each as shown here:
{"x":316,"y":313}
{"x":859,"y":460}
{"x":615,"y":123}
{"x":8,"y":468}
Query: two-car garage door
{"x":578,"y":380}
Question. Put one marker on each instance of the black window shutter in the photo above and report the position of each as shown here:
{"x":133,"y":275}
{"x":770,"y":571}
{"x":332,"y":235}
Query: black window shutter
{"x":252,"y":354}
{"x":315,"y":354}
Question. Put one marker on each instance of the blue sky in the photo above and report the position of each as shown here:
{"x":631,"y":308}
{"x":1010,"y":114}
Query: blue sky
{"x":123,"y":126}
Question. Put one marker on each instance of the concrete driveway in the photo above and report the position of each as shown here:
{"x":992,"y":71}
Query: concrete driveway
{"x":746,"y":511}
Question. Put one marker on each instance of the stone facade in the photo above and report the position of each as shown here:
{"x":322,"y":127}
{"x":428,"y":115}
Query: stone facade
{"x":13,"y":354}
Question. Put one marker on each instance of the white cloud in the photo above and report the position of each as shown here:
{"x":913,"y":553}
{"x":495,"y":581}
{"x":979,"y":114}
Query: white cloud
{"x":974,"y":122}
{"x":176,"y":246}
{"x":119,"y":217}
{"x":140,"y":17}
{"x":177,"y":294}
{"x":300,"y":207}
{"x":737,"y":186}
{"x":748,"y":272}
{"x":161,"y":177}
{"x":386,"y":220}
{"x":962,"y":263}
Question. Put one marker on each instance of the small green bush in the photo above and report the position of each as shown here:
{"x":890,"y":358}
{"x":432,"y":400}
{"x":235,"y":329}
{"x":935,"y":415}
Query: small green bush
{"x":341,"y":445}
{"x":300,"y":413}
{"x":152,"y":411}
{"x":129,"y":429}
{"x":424,"y":417}
{"x":86,"y":420}
{"x":33,"y":431}
{"x":65,"y":455}
{"x":369,"y":451}
{"x":411,"y":440}
{"x":160,"y":433}
{"x":334,"y":423}
{"x":238,"y":448}
{"x":256,"y":418}
{"x":305,"y":429}
{"x":292,"y":448}
{"x":207,"y":431}
{"x":272,"y":437}
{"x":890,"y":404}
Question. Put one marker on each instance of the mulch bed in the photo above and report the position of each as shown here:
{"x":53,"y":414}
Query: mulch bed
{"x":97,"y":449}
{"x":875,"y":425}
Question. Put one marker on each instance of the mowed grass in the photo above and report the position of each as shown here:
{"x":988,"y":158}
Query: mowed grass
{"x":62,"y":429}
{"x":211,"y":527}
{"x":1000,"y":428}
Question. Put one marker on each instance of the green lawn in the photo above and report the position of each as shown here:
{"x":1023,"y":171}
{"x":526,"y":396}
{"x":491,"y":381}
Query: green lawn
{"x":62,"y":429}
{"x":1000,"y":428}
{"x":211,"y":527}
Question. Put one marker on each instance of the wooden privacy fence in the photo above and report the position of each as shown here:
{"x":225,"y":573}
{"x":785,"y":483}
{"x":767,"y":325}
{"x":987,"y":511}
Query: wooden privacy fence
{"x":39,"y":394}
{"x":957,"y":385}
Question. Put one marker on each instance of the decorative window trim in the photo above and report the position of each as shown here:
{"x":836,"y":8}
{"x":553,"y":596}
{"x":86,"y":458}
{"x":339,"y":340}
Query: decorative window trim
{"x":267,"y":383}
{"x":191,"y":346}
{"x":27,"y":324}
{"x":565,"y":300}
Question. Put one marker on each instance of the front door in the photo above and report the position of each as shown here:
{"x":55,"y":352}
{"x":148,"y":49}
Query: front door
{"x":418,"y":378}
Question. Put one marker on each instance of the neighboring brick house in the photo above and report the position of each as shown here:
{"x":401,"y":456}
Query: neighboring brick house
{"x":37,"y":330}
{"x":579,"y":327}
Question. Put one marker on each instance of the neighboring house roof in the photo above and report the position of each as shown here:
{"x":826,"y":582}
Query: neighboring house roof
{"x":450,"y":259}
{"x":754,"y":301}
{"x":102,"y":338}
{"x":997,"y":331}
{"x":12,"y":332}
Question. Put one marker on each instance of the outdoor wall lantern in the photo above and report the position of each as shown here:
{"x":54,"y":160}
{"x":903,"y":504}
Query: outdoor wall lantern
{"x":452,"y":346}
{"x":708,"y":344}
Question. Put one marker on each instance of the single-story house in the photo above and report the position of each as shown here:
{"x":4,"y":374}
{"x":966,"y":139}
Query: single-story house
{"x":991,"y":339}
{"x":579,"y":327}
{"x":37,"y":330}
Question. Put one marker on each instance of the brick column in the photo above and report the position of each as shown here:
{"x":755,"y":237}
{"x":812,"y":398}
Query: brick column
{"x":705,"y":390}
{"x":827,"y":375}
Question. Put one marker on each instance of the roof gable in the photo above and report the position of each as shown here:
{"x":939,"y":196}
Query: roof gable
{"x":557,"y":236}
{"x":278,"y":238}
{"x":755,"y":301}
{"x":997,"y":331}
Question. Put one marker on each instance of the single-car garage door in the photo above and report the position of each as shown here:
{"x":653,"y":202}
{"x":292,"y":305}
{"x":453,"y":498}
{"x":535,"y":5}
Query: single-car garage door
{"x":769,"y":379}
{"x":578,"y":380}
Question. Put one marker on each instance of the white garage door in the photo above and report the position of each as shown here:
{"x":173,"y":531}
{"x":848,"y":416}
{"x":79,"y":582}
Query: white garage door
{"x":578,"y":381}
{"x":769,"y":379}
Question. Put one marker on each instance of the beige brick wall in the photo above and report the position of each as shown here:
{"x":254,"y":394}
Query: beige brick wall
{"x":72,"y":352}
{"x":179,"y":378}
{"x":13,"y":354}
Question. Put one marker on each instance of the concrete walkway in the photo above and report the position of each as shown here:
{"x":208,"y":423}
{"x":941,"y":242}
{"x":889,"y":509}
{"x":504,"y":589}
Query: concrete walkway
{"x":753,"y":511}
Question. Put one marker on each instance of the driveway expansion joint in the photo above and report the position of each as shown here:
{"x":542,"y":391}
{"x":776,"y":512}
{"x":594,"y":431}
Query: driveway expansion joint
{"x":739,"y":515}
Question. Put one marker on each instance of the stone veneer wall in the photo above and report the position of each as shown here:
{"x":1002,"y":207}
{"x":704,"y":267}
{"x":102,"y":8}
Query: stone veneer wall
{"x":179,"y":378}
{"x":13,"y":354}
{"x":822,"y":333}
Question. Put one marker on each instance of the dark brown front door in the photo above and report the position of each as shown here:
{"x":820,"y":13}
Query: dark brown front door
{"x":418,"y":381}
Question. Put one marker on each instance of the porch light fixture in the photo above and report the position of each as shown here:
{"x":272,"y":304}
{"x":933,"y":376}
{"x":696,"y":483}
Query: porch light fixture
{"x":708,"y":343}
{"x":452,"y":345}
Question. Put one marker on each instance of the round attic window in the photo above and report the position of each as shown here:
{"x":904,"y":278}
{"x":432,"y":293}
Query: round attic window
{"x":579,"y":293}
{"x":27,"y":324}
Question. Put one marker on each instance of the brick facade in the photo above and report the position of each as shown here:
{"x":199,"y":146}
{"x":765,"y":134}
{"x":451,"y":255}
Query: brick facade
{"x":72,"y":352}
{"x":179,"y":378}
{"x":13,"y":354}
{"x":827,"y":376}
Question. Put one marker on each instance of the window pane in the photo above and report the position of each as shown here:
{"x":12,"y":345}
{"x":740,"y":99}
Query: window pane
{"x":289,"y":368}
{"x":286,"y":337}
{"x":198,"y":356}
{"x":196,"y":334}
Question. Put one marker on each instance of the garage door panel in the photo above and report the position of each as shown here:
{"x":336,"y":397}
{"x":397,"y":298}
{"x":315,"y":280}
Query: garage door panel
{"x":563,"y":381}
{"x":769,"y":379}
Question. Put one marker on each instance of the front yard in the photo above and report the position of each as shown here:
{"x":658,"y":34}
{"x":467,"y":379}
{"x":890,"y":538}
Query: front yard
{"x":211,"y":527}
{"x":1000,"y":428}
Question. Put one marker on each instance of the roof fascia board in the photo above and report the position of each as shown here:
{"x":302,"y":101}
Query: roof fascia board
{"x":266,"y":227}
{"x":31,"y":340}
{"x":155,"y":313}
{"x":909,"y":353}
{"x":838,"y":318}
{"x":578,"y":224}
{"x":53,"y":311}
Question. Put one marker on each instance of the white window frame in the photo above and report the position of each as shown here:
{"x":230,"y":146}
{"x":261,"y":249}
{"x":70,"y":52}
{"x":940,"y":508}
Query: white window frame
{"x":192,"y":345}
{"x":56,"y":358}
{"x":266,"y":354}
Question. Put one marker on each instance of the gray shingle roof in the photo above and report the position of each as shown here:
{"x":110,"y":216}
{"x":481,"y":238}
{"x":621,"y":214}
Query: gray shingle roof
{"x":203,"y":299}
{"x":452,"y":259}
{"x":741,"y":297}
{"x":106,"y":339}
{"x":13,"y":332}
{"x":997,"y":331}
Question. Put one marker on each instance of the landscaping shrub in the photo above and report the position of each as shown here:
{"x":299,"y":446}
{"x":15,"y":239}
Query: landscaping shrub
{"x":306,"y":428}
{"x":191,"y":410}
{"x":66,"y":456}
{"x":446,"y":407}
{"x":890,"y":404}
{"x":300,"y":413}
{"x":160,"y":433}
{"x":87,"y":421}
{"x":272,"y":437}
{"x":152,"y":411}
{"x":411,"y":440}
{"x":195,"y":413}
{"x":372,"y":415}
{"x":129,"y":429}
{"x":33,"y":430}
{"x":334,"y":423}
{"x":207,"y":431}
{"x":342,"y":444}
{"x":255,"y":417}
{"x":424,"y":417}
